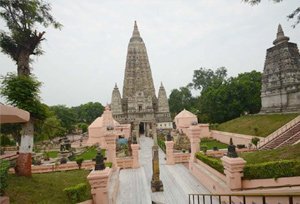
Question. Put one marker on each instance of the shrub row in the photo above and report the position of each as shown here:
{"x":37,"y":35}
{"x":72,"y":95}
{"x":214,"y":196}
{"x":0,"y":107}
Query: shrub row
{"x":275,"y":169}
{"x":161,"y":144}
{"x":210,"y":161}
{"x":4,"y":166}
{"x":76,"y":193}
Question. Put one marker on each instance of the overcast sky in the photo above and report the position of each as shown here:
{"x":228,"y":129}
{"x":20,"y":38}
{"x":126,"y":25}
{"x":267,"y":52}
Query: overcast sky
{"x":83,"y":61}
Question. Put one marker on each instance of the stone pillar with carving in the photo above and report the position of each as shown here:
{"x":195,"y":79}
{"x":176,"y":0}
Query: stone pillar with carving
{"x":170,"y":152}
{"x":110,"y":140}
{"x":135,"y":155}
{"x":194,"y":136}
{"x":233,"y":169}
{"x":99,"y":181}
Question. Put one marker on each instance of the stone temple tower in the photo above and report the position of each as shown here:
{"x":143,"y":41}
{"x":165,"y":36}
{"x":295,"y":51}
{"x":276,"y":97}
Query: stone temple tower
{"x":281,"y":77}
{"x":139,"y":104}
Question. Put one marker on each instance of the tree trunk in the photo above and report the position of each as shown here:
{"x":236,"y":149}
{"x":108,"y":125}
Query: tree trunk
{"x":23,"y":166}
{"x":23,"y":63}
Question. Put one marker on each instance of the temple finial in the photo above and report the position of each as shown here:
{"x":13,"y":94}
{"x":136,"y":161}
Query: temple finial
{"x":136,"y":32}
{"x":280,"y":38}
{"x":116,"y":86}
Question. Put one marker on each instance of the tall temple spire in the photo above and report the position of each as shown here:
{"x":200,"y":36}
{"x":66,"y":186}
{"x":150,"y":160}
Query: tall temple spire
{"x":138,"y":76}
{"x":135,"y":32}
{"x":280,"y":36}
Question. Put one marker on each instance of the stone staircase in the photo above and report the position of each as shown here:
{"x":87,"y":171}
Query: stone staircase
{"x":287,"y":135}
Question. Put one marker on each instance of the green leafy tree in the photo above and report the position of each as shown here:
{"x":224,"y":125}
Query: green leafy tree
{"x":180,"y":99}
{"x":67,"y":116}
{"x":51,"y":128}
{"x":88,"y":112}
{"x":23,"y":92}
{"x":22,"y":18}
{"x":295,"y":14}
{"x":204,"y":78}
{"x":234,"y":97}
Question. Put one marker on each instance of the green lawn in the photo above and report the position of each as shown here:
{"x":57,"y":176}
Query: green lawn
{"x":284,"y":153}
{"x":259,"y":125}
{"x":44,"y":188}
{"x":90,"y":153}
{"x":53,"y":154}
{"x":210,"y":143}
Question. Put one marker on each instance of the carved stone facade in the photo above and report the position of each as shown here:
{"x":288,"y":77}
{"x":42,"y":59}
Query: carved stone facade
{"x":139,"y":104}
{"x":281,"y":77}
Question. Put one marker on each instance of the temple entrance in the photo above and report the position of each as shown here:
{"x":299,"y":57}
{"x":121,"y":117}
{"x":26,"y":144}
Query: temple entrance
{"x":142,"y":128}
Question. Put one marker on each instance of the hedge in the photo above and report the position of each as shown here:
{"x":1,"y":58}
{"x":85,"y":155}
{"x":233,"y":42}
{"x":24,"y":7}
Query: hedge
{"x":77,"y":193}
{"x":210,"y":161}
{"x":275,"y":169}
{"x":4,"y":166}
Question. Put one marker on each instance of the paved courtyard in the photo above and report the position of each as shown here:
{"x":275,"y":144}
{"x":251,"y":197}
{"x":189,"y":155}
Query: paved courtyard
{"x":177,"y":180}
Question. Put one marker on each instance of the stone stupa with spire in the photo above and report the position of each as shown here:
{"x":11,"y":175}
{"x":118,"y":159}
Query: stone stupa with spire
{"x":138,"y":104}
{"x":281,"y":77}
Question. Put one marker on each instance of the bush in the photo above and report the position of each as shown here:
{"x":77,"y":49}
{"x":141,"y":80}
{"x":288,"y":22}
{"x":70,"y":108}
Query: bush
{"x":275,"y":169}
{"x":5,"y":141}
{"x":210,"y":161}
{"x":79,"y":162}
{"x":4,"y":166}
{"x":76,"y":193}
{"x":240,"y":146}
{"x":204,"y":148}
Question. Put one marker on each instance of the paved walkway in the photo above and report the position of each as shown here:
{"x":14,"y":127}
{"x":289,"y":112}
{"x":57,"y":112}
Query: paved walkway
{"x":177,"y":180}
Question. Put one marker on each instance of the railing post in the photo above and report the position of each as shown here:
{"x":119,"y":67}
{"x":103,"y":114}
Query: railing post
{"x":233,"y":169}
{"x":135,"y":155}
{"x":99,"y":181}
{"x":194,"y":136}
{"x":170,"y":152}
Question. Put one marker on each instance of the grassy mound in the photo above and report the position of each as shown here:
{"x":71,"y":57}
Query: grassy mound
{"x":284,"y":153}
{"x":259,"y":125}
{"x":44,"y":188}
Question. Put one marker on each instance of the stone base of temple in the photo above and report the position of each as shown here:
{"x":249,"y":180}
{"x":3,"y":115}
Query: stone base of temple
{"x":23,"y":165}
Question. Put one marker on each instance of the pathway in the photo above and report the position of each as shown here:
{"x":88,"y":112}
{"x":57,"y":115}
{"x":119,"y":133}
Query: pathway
{"x":177,"y":180}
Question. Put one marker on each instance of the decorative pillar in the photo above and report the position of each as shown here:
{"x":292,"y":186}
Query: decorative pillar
{"x":233,"y":169}
{"x":170,"y":152}
{"x":23,"y":164}
{"x":154,"y":133}
{"x":111,"y":149}
{"x":99,"y":181}
{"x":135,"y":155}
{"x":194,"y":136}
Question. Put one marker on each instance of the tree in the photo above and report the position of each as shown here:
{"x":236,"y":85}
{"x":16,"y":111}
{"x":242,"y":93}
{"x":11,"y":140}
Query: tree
{"x":180,"y":99}
{"x":234,"y":97}
{"x":204,"y":78}
{"x":49,"y":129}
{"x":67,"y":116}
{"x":23,"y":40}
{"x":23,"y":92}
{"x":294,"y":14}
{"x":88,"y":112}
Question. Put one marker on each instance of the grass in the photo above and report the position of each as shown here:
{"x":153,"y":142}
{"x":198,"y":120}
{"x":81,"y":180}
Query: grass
{"x":211,"y":143}
{"x":284,"y":153}
{"x":90,"y":154}
{"x":259,"y":125}
{"x":44,"y":188}
{"x":53,"y":154}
